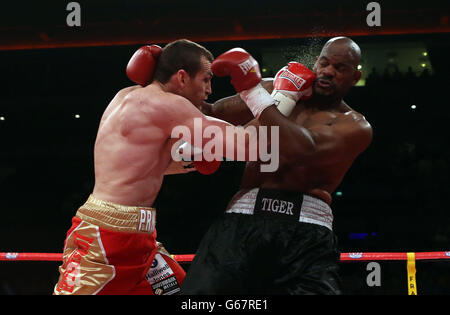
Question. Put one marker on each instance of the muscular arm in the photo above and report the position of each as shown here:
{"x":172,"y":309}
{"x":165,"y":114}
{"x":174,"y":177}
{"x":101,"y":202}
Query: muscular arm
{"x":233,"y":109}
{"x":184,"y":116}
{"x":344,"y":139}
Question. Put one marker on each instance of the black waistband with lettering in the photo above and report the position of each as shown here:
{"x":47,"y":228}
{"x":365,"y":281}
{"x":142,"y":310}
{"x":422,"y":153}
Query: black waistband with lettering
{"x":278,"y":203}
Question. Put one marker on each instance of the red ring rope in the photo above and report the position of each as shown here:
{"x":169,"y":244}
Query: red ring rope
{"x":188,"y":258}
{"x":410,"y":258}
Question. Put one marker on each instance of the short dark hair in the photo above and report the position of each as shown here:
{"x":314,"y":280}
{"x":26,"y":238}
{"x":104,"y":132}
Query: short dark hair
{"x":180,"y":54}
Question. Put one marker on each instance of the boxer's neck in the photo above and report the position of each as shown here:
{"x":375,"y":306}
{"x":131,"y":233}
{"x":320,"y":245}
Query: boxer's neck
{"x":166,"y":87}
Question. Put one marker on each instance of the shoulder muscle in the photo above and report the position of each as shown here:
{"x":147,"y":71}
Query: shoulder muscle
{"x":344,"y":139}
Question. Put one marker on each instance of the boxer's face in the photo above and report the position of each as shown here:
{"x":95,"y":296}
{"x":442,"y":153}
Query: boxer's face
{"x":198,"y":88}
{"x":335,"y":71}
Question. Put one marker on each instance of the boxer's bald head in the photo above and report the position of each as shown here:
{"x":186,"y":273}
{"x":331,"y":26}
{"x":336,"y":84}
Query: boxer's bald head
{"x":336,"y":67}
{"x":343,"y":46}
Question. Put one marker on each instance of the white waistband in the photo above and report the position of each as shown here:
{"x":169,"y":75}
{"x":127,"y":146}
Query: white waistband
{"x":313,"y":210}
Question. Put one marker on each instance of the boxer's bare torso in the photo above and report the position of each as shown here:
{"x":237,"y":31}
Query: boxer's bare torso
{"x":322,"y":176}
{"x":343,"y":133}
{"x":322,"y":136}
{"x":132,"y":149}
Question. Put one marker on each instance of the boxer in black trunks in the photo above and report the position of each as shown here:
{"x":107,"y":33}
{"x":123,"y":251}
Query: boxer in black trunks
{"x":276,"y":235}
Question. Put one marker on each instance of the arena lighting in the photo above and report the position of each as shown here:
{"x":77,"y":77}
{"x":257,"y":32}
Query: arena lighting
{"x":2,"y":118}
{"x":359,"y":67}
{"x":77,"y":116}
{"x":339,"y":193}
{"x":425,"y":54}
{"x":413,"y":106}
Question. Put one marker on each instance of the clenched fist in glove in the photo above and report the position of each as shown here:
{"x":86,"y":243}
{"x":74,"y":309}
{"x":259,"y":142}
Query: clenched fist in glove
{"x":245,"y":77}
{"x":292,"y":83}
{"x":142,"y":64}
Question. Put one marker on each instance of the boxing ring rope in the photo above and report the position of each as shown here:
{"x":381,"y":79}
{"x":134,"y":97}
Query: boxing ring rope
{"x":409,"y":257}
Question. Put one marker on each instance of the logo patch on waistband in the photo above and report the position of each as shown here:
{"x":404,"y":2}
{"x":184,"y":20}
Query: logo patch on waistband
{"x":283,"y":204}
{"x":146,"y":221}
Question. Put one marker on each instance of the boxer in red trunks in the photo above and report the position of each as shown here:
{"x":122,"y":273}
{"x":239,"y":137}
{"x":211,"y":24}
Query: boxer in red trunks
{"x":111,"y":247}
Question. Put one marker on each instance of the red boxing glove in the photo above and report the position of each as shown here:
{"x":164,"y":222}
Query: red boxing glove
{"x":187,"y":152}
{"x":291,"y":84}
{"x":241,"y":66}
{"x":245,"y":77}
{"x":207,"y":168}
{"x":295,"y":80}
{"x":142,"y":64}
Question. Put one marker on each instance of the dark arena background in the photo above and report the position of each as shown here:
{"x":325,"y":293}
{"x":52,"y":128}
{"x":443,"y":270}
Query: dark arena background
{"x":57,"y":79}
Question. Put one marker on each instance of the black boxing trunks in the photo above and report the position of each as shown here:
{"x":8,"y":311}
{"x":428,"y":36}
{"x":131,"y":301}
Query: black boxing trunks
{"x":268,"y":242}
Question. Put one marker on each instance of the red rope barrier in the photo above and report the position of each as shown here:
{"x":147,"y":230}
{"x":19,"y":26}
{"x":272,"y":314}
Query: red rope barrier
{"x":409,"y":257}
{"x":188,"y":258}
{"x":393,"y":256}
{"x":30,"y":257}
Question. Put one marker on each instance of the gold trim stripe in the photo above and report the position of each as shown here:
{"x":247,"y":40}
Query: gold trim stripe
{"x":117,"y":217}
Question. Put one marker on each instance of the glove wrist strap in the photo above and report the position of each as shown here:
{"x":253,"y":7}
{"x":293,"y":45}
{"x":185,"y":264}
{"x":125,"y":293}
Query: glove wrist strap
{"x":285,"y":104}
{"x":257,"y":99}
